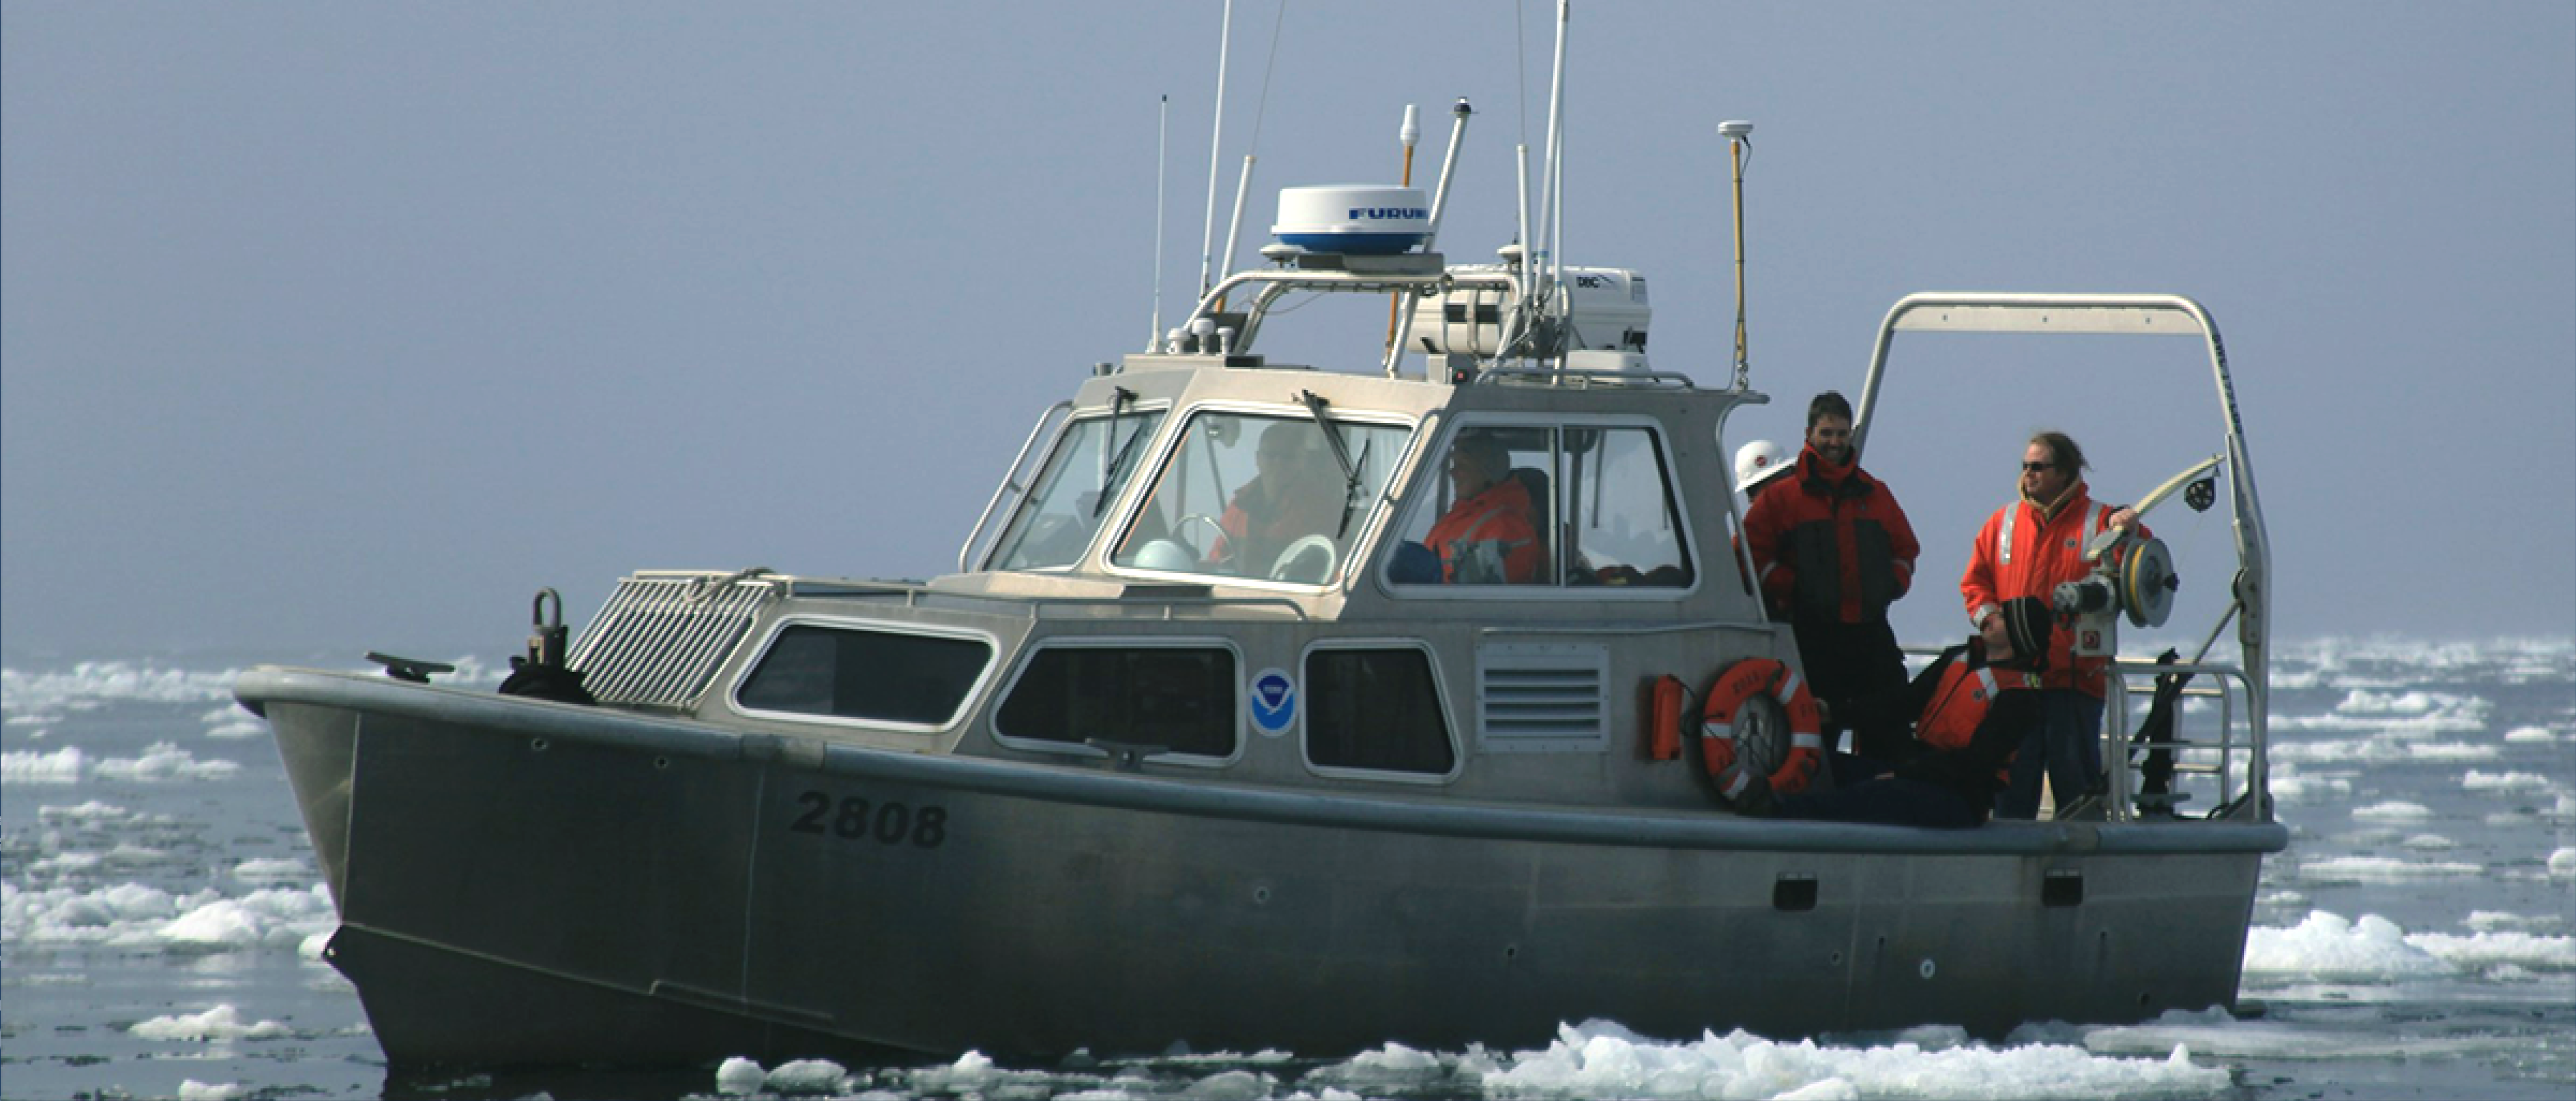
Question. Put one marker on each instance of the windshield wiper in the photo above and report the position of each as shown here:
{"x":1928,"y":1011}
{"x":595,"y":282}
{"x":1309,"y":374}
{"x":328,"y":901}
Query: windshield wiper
{"x":1315,"y":404}
{"x":1114,"y":462}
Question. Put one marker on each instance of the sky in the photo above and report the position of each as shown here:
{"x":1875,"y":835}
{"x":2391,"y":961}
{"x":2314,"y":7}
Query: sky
{"x":344,"y":327}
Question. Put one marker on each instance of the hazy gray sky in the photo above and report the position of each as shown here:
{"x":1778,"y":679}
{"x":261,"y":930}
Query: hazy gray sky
{"x":347,"y":326}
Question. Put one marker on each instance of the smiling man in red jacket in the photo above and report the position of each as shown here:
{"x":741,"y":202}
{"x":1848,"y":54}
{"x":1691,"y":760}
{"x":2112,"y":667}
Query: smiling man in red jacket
{"x":1832,"y":550}
{"x":2026,"y":549}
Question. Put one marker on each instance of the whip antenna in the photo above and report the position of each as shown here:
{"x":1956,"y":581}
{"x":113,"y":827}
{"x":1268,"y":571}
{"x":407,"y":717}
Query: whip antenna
{"x":1162,"y":148}
{"x":1739,"y":139}
{"x":1216,"y":142}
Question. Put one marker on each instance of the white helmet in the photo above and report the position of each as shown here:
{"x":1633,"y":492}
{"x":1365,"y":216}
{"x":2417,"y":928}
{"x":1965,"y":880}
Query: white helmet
{"x":1759,"y":462}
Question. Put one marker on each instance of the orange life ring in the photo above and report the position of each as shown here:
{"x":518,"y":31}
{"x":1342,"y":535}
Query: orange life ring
{"x":1739,"y":683}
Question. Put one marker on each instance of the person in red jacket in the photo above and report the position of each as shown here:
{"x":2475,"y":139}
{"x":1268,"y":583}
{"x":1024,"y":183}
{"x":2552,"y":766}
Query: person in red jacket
{"x":1292,"y":494}
{"x":2026,"y":549}
{"x":1970,"y":710}
{"x":1831,"y":550}
{"x":1486,"y":536}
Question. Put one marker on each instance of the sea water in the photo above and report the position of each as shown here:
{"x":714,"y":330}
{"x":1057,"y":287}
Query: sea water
{"x":162,"y":918}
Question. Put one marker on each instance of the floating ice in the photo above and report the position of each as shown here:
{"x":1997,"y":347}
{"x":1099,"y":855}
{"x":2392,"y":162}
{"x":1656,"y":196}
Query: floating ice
{"x":136,"y":917}
{"x":272,"y":870}
{"x":2395,"y":810}
{"x":807,"y":1076}
{"x":223,"y":1022}
{"x":2326,"y":946}
{"x":2562,"y":864}
{"x":163,"y":761}
{"x":62,"y":766}
{"x":2430,"y":842}
{"x":192,"y":1090}
{"x":2504,"y":782}
{"x":233,"y":722}
{"x":2294,"y":788}
{"x":2491,"y":952}
{"x":1597,"y":1061}
{"x":2524,"y":735}
{"x":90,"y":684}
{"x":2489,"y":921}
{"x":739,"y":1076}
{"x":271,"y":918}
{"x":2377,"y":869}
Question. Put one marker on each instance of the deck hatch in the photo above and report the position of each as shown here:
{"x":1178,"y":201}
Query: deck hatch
{"x":1541,"y":697}
{"x":659,"y":640}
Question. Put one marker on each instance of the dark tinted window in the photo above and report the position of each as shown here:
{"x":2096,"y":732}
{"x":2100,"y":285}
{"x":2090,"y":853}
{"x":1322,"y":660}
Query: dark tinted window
{"x":1375,"y":709}
{"x":1176,"y":698}
{"x":865,"y":675}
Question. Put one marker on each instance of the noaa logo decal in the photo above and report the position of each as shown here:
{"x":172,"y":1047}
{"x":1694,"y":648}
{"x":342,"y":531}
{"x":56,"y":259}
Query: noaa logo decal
{"x":1274,"y":701}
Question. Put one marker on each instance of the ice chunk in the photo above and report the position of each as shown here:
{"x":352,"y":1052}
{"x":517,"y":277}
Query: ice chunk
{"x":2327,"y":946}
{"x":807,"y":1076}
{"x":62,"y":766}
{"x":739,"y":1076}
{"x":2394,"y":810}
{"x":223,"y":1022}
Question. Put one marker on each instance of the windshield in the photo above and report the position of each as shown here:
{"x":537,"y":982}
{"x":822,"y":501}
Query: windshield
{"x":1261,"y":496}
{"x":1090,"y":464}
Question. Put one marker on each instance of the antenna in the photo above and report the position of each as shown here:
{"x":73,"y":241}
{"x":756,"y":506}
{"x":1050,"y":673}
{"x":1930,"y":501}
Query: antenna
{"x":1162,"y":147}
{"x":1405,"y":135}
{"x":1430,"y":240}
{"x":1739,"y":138}
{"x":1216,"y":142}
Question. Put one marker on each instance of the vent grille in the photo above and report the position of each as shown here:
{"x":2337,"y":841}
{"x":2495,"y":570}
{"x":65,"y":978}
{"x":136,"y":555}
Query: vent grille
{"x":1542,"y":698}
{"x":660,"y":639}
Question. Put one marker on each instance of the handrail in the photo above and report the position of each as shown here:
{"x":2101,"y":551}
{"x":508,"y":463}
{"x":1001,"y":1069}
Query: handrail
{"x":1277,"y":281}
{"x":1010,"y":481}
{"x":2117,"y":730}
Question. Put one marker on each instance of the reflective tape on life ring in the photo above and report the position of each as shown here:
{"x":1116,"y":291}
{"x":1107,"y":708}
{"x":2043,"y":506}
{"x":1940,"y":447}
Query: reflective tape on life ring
{"x":1740,"y":682}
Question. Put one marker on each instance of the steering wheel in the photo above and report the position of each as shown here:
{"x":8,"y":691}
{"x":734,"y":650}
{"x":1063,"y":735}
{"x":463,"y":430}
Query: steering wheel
{"x":1304,"y":548}
{"x":1203,"y":518}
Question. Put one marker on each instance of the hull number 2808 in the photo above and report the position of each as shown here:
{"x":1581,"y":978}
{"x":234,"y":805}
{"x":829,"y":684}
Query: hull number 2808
{"x":853,"y":818}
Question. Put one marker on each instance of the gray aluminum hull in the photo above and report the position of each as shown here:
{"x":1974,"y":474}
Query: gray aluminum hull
{"x":524,"y":882}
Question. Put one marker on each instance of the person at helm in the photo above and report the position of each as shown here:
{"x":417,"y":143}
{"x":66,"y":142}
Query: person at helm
{"x":1291,"y":494}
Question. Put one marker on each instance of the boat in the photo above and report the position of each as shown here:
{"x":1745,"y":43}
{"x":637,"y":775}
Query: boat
{"x":1145,"y":775}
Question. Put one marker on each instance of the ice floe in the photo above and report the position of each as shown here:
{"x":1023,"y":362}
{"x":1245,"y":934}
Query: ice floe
{"x":2377,"y":869}
{"x":26,"y":766}
{"x":142,"y":918}
{"x":2506,"y":781}
{"x":2394,"y":810}
{"x":1595,"y":1059}
{"x":223,"y":1022}
{"x":2328,"y":947}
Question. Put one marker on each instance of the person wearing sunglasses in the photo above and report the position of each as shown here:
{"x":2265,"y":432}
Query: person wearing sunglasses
{"x":2026,"y":549}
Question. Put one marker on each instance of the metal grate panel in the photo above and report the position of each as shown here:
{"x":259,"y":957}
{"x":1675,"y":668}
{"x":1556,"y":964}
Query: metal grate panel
{"x":1542,"y":698}
{"x":660,"y":639}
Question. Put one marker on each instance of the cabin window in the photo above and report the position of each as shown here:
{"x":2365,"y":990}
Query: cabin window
{"x":1074,"y":490}
{"x":1377,"y":710}
{"x":1179,"y":699}
{"x":1262,"y":497}
{"x":1545,"y":506}
{"x":876,"y":676}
